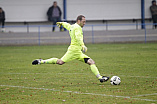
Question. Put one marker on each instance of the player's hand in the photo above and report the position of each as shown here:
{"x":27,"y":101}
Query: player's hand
{"x":84,"y":49}
{"x":59,"y":24}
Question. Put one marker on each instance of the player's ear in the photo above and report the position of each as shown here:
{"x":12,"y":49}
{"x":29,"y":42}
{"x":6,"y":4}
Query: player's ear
{"x":78,"y":21}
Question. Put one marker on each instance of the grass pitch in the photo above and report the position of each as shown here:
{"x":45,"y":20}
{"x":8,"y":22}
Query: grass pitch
{"x":73,"y":82}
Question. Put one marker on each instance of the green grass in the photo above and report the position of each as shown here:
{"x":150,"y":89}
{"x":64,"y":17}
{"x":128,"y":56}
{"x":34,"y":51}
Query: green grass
{"x":73,"y":82}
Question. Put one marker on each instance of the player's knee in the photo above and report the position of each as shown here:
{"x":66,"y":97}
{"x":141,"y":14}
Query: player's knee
{"x":60,"y":62}
{"x":90,"y":62}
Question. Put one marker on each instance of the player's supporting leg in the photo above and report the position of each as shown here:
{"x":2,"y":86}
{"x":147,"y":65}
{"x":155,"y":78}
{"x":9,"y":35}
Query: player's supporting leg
{"x":95,"y":70}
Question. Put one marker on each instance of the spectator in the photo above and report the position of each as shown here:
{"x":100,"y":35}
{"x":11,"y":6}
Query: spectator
{"x":153,"y":9}
{"x":54,"y":15}
{"x":2,"y":18}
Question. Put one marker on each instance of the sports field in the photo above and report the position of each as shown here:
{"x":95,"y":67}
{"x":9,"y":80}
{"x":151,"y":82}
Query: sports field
{"x":73,"y":82}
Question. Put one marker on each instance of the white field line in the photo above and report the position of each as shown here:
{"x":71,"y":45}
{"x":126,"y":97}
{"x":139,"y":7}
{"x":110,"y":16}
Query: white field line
{"x":128,"y":97}
{"x":145,"y":95}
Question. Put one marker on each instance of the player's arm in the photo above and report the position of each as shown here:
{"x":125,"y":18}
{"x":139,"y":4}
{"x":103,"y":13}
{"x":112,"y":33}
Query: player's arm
{"x":64,"y":24}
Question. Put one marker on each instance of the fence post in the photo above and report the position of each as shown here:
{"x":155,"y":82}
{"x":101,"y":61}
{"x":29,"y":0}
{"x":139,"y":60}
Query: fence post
{"x":143,"y":14}
{"x":145,"y":33}
{"x":106,"y":25}
{"x":92,"y":35}
{"x":27,"y":28}
{"x":39,"y":35}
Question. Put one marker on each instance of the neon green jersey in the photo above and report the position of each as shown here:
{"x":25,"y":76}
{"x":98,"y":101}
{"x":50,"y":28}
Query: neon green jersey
{"x":74,"y":50}
{"x":75,"y":32}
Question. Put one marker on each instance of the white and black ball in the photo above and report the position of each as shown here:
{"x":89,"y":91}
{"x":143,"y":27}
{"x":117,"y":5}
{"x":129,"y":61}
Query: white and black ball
{"x":115,"y":80}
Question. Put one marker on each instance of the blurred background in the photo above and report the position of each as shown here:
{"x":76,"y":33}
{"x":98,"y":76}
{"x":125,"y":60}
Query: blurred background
{"x":26,"y":21}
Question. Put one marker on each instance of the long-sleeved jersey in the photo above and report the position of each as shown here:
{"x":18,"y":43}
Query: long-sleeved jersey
{"x":74,"y":50}
{"x":75,"y":32}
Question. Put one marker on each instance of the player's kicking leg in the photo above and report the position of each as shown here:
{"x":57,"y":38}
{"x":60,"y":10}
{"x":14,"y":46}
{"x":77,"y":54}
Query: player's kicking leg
{"x":95,"y":70}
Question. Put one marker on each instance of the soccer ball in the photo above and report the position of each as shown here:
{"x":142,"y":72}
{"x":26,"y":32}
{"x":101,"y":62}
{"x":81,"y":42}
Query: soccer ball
{"x":115,"y":80}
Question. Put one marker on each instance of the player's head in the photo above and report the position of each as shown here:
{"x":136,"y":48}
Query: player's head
{"x":81,"y":20}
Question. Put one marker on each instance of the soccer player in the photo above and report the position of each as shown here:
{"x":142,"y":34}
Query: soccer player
{"x":76,"y":49}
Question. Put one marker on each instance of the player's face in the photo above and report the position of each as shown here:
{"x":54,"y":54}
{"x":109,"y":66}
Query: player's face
{"x":82,"y":22}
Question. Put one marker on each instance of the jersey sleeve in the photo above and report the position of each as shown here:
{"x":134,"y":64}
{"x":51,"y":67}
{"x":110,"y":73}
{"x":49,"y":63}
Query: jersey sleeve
{"x":66,"y":25}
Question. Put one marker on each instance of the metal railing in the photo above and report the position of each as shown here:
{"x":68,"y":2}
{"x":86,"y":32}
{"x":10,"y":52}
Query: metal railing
{"x":91,"y":28}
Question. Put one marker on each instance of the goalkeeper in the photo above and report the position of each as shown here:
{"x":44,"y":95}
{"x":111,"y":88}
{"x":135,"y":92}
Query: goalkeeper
{"x":76,"y":49}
